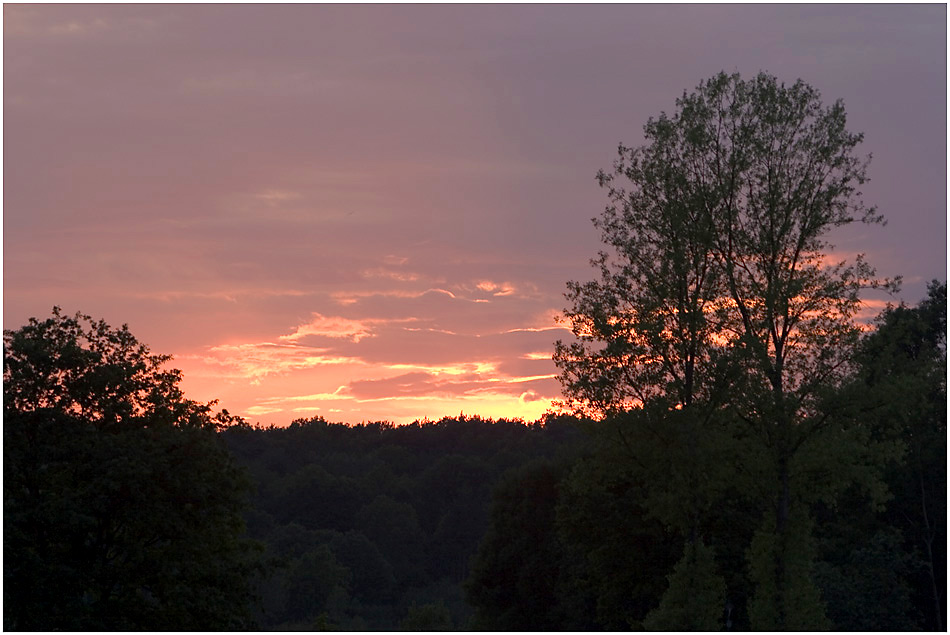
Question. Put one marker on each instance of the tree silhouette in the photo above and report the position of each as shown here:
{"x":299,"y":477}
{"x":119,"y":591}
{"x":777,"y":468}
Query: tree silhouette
{"x":720,"y":319}
{"x":121,"y":505}
{"x":903,"y":365}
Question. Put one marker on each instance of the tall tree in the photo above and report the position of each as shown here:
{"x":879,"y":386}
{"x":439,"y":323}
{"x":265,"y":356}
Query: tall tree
{"x":777,"y":171}
{"x":721,"y":292}
{"x":651,"y":311}
{"x":122,"y":507}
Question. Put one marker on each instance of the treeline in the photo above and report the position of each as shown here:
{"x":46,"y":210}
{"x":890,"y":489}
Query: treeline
{"x":758,"y":461}
{"x":121,"y":507}
{"x":129,"y":507}
{"x":469,"y":523}
{"x":373,"y":526}
{"x":719,"y":341}
{"x":594,"y":543}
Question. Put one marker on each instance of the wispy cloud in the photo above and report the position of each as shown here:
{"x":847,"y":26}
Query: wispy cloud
{"x":292,"y":214}
{"x":464,"y":368}
{"x":341,"y":392}
{"x":255,"y":361}
{"x":380,"y":272}
{"x":504,"y":378}
{"x":330,"y":326}
{"x":232,"y":295}
{"x":496,"y":288}
{"x":351,"y":297}
{"x":537,"y":356}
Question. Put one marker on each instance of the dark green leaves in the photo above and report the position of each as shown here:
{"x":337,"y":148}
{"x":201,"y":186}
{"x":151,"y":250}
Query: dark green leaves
{"x":122,"y":508}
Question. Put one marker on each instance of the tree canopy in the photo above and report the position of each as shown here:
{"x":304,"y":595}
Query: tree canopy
{"x":902,"y":368}
{"x":122,"y":507}
{"x":723,"y":317}
{"x":755,"y":459}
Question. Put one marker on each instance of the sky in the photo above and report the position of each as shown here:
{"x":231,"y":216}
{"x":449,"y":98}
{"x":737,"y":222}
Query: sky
{"x":370,"y":212}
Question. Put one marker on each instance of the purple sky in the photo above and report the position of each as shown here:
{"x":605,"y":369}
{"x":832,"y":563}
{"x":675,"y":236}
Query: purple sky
{"x":370,"y":212}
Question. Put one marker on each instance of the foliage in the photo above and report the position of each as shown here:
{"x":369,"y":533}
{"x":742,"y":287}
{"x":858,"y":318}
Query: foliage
{"x":696,"y":597}
{"x":719,"y":316}
{"x":428,"y":617}
{"x":122,"y":509}
{"x":903,"y":370}
{"x":602,"y":514}
{"x":781,"y":567}
{"x":754,"y":458}
{"x":399,"y":509}
{"x":521,"y":579}
{"x":580,"y":535}
{"x":870,"y":589}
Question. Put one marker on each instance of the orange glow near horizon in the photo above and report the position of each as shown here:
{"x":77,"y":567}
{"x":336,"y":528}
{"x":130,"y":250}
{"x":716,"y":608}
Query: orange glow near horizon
{"x":356,"y":369}
{"x":325,"y":366}
{"x":284,"y":404}
{"x":371,"y":212}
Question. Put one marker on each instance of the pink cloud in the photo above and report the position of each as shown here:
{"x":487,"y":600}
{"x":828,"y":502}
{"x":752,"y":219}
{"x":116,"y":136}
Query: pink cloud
{"x":330,"y":326}
{"x":260,"y":359}
{"x":174,"y":167}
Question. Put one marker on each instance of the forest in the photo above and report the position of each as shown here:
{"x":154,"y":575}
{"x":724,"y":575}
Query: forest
{"x":458,"y":524}
{"x":736,"y":447}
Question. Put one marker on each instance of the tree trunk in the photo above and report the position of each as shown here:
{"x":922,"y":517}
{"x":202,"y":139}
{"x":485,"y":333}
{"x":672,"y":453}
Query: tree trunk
{"x":928,"y":542}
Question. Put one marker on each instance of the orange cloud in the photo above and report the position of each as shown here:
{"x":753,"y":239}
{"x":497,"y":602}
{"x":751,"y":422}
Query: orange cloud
{"x":257,"y":360}
{"x":537,"y":356}
{"x":496,"y":288}
{"x":520,"y":380}
{"x":529,"y":396}
{"x":479,"y":368}
{"x":337,"y":327}
{"x":351,"y":297}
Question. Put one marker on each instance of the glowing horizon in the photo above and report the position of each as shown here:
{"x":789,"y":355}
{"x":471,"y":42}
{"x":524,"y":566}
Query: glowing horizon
{"x":352,"y":386}
{"x":370,"y":212}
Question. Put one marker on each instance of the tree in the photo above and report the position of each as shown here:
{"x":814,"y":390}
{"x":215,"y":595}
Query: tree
{"x":695,"y":596}
{"x":523,"y":577}
{"x":428,"y":617}
{"x":719,"y":300}
{"x":603,"y":514}
{"x":394,"y":528}
{"x":903,"y":370}
{"x":122,"y":508}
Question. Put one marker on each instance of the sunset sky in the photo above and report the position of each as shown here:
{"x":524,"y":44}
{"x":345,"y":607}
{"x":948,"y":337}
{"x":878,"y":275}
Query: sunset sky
{"x":370,"y":212}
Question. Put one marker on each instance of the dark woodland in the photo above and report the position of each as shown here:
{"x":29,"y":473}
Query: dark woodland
{"x":733,"y":450}
{"x":457,"y":524}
